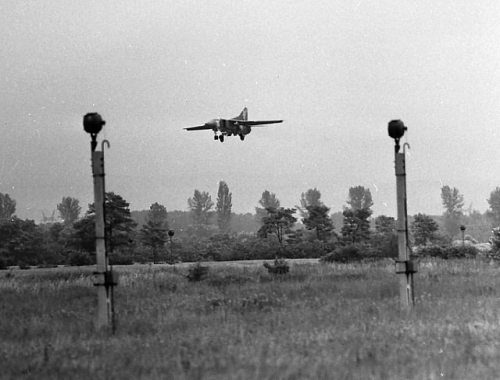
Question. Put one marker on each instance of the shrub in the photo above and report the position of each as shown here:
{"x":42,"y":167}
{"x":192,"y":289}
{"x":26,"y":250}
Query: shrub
{"x":23,"y":265}
{"x":187,"y":254}
{"x":280,"y":266}
{"x":348,"y":254}
{"x":121,"y":259}
{"x":429,"y":251}
{"x":46,"y":265}
{"x":307,"y":249}
{"x":450,"y":252}
{"x":385,"y":245}
{"x":495,"y":239}
{"x":260,"y":249}
{"x":79,"y":258}
{"x":141,"y":254}
{"x":197,"y":272}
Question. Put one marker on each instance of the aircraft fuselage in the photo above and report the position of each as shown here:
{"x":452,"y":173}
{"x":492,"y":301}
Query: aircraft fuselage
{"x":229,"y":127}
{"x":240,"y":126}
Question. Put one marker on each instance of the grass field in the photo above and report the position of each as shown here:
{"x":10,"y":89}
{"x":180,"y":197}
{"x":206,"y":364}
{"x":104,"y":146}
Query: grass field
{"x":317,"y":322}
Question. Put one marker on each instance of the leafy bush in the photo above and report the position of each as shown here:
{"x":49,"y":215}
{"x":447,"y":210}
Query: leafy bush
{"x":142,"y":254}
{"x":53,"y":254}
{"x":9,"y":261}
{"x":188,"y":254}
{"x":223,"y":247}
{"x":46,"y":265}
{"x":197,"y":272}
{"x":385,"y":245}
{"x":348,"y":254}
{"x":80,"y":258}
{"x":448,"y":252}
{"x":121,"y":259}
{"x":23,"y":265}
{"x":461,"y":252}
{"x":307,"y":249}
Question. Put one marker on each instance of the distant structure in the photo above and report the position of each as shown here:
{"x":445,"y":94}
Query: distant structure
{"x":49,"y":219}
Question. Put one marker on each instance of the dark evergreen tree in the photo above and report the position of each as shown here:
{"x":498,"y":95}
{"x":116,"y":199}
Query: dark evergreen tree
{"x":56,"y":231}
{"x":69,"y":210}
{"x":356,"y":228}
{"x":200,"y":206}
{"x":384,"y":240}
{"x":119,"y":222}
{"x":82,"y":235}
{"x":311,"y":197}
{"x":423,"y":229}
{"x":268,"y":200}
{"x":154,"y":233}
{"x":279,"y":221}
{"x":385,"y":224}
{"x":356,"y":225}
{"x":359,"y":198}
{"x":21,"y":242}
{"x":318,"y":219}
{"x":223,"y":207}
{"x":7,"y":207}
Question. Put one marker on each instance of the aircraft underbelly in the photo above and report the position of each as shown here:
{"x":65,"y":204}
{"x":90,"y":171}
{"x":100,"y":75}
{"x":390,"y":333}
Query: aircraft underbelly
{"x":231,"y":127}
{"x":227,"y":126}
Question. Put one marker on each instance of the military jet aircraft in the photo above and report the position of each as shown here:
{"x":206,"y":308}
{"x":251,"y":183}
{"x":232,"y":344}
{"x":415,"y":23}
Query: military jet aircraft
{"x":239,"y":125}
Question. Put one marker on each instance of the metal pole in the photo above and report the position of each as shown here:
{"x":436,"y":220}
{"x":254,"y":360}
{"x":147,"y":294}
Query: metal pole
{"x":92,"y":124}
{"x":171,"y":235}
{"x":104,"y":306}
{"x":405,"y":278}
{"x":405,"y":268}
{"x":462,"y":228}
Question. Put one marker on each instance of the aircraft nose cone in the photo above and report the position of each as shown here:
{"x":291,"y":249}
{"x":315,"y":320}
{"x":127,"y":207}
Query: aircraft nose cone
{"x":212,"y":124}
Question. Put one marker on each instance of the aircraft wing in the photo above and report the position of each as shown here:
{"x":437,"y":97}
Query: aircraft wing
{"x":255,"y":123}
{"x":200,"y":128}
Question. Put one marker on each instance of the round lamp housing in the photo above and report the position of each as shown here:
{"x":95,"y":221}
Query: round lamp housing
{"x":170,"y":233}
{"x":93,"y":123}
{"x":396,"y":129}
{"x":462,"y":228}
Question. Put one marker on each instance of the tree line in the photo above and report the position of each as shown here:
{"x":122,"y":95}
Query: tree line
{"x":211,"y":231}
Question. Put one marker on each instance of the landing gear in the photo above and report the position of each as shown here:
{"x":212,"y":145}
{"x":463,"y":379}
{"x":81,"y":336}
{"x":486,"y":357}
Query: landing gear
{"x":216,"y":137}
{"x":242,"y":137}
{"x":221,"y":138}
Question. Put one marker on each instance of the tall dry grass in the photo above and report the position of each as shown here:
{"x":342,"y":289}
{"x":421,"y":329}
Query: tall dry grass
{"x":317,"y":322}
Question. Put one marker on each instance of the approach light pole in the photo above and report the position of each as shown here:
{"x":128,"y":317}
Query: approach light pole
{"x":170,"y":236}
{"x":405,"y":268}
{"x":92,"y":124}
{"x":462,"y":228}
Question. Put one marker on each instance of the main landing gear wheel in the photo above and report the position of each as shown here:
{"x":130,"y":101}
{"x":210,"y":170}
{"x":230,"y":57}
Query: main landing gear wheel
{"x":242,"y":137}
{"x":221,"y":138}
{"x":216,"y":137}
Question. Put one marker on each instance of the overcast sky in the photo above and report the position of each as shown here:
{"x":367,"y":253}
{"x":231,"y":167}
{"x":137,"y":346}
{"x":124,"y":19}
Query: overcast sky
{"x":336,"y":71}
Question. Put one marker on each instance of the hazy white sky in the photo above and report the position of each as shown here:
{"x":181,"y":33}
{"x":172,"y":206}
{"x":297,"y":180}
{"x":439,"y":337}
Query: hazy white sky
{"x":336,"y":71}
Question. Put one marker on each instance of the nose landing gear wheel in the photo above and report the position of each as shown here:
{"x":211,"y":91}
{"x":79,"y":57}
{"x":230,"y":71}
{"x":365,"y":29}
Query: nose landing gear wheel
{"x":242,"y":137}
{"x":216,"y":137}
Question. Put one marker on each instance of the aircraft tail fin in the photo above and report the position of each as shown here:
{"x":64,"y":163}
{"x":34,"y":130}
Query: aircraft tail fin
{"x":243,"y":115}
